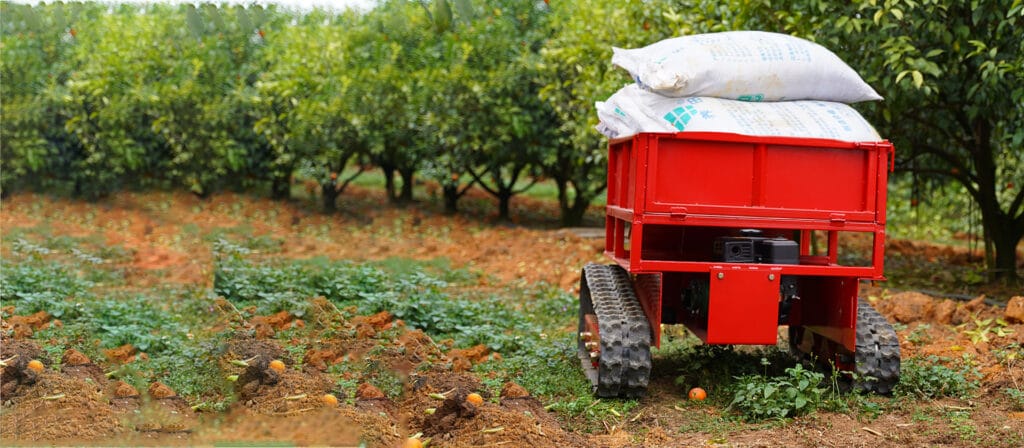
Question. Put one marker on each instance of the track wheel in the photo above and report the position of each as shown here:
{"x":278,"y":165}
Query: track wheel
{"x":878,"y":352}
{"x":876,"y":361}
{"x":614,"y":334}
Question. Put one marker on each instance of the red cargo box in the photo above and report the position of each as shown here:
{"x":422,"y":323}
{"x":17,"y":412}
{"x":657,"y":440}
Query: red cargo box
{"x":670,"y":196}
{"x":728,"y":180}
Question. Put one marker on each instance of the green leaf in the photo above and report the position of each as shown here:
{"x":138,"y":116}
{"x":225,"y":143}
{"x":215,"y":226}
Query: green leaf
{"x":918,"y":78}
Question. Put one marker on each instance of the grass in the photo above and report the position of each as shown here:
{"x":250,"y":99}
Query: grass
{"x":929,"y":378}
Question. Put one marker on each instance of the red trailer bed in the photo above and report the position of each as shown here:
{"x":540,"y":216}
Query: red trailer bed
{"x":735,"y":235}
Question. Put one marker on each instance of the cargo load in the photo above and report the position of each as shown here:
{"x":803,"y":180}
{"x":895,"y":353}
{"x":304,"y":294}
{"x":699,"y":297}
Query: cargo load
{"x":633,"y":110}
{"x":744,"y":65}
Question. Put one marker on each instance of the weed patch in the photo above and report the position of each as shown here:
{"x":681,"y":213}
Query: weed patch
{"x":759,"y":397}
{"x":928,"y":379}
{"x":421,"y":300}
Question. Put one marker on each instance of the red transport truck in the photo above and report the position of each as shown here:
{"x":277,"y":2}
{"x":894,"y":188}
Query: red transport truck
{"x":735,"y":236}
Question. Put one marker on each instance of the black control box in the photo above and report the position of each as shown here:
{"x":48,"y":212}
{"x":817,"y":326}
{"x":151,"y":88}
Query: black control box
{"x":778,"y":251}
{"x":745,"y":249}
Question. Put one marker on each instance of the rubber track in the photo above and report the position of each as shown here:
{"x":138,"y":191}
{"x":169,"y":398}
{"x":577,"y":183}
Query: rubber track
{"x":624,"y":367}
{"x":878,"y":352}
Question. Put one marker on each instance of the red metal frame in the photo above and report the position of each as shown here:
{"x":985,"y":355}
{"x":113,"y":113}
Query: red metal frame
{"x":670,"y":195}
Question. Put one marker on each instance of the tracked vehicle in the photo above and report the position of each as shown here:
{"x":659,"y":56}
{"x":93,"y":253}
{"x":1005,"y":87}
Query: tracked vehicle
{"x":734,"y":236}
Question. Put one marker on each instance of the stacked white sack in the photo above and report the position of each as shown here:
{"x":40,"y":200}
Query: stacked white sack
{"x":744,"y":65}
{"x":632,"y":110}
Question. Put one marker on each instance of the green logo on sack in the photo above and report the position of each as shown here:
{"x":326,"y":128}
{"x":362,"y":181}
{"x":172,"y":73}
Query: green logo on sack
{"x":680,"y":116}
{"x":753,"y":98}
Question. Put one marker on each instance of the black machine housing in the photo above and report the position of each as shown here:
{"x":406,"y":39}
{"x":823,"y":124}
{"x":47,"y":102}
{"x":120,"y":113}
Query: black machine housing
{"x":751,"y":247}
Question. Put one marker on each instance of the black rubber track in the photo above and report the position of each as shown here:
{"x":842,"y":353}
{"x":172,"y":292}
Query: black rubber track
{"x":624,"y":366}
{"x":878,"y":352}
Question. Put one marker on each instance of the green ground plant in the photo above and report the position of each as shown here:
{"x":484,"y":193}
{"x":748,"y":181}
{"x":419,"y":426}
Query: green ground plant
{"x":527,"y":327}
{"x":985,"y":329}
{"x":759,"y":397}
{"x":1016,"y":397}
{"x":929,"y":378}
{"x":97,"y":313}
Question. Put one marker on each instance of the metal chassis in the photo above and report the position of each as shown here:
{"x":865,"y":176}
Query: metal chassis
{"x":743,"y":298}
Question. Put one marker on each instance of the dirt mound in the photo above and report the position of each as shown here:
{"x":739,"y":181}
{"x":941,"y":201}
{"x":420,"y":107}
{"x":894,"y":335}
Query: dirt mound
{"x":907,"y":307}
{"x":513,"y":391}
{"x":519,"y":422}
{"x":952,"y":330}
{"x":16,"y":375}
{"x":121,"y":389}
{"x":58,"y":408}
{"x":76,"y":364}
{"x":124,"y":354}
{"x":74,"y":357}
{"x":1015,"y":310}
{"x":79,"y":403}
{"x":267,"y":326}
{"x":463,"y":359}
{"x":24,"y":326}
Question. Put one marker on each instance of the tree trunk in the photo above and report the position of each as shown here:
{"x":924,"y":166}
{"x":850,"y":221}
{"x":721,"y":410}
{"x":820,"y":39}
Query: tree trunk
{"x":1005,"y":233}
{"x":329,"y":194}
{"x":408,"y":177}
{"x":573,"y":210}
{"x":504,"y":205}
{"x":389,"y":182}
{"x":572,"y":216}
{"x":451,"y":199}
{"x":281,"y":188}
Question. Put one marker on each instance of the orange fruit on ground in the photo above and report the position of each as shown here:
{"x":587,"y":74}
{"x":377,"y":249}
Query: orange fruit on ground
{"x":277,"y":365}
{"x":329,"y":400}
{"x":698,"y":394}
{"x":412,"y":443}
{"x":36,"y":365}
{"x":475,"y":399}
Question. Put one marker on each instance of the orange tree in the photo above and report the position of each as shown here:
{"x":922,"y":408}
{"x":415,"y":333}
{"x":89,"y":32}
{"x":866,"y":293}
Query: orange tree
{"x":505,"y":126}
{"x":300,"y":103}
{"x":211,"y":56}
{"x":575,"y":71}
{"x":388,"y":97}
{"x":36,"y":41}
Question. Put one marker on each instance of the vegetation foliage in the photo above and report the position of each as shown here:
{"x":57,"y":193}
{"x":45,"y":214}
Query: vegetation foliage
{"x":492,"y":93}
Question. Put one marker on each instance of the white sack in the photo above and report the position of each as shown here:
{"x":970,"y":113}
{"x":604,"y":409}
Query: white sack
{"x":632,"y":110}
{"x":744,"y":65}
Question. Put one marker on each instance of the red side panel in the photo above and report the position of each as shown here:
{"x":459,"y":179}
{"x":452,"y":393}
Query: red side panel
{"x":743,"y":306}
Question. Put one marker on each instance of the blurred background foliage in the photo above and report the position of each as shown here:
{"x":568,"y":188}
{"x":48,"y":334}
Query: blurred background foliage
{"x":496,"y":94}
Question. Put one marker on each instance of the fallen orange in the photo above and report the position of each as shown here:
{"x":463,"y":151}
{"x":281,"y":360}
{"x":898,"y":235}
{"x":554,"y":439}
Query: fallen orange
{"x":36,"y":366}
{"x":475,"y":399}
{"x":329,"y":400}
{"x":277,"y":365}
{"x":698,"y":394}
